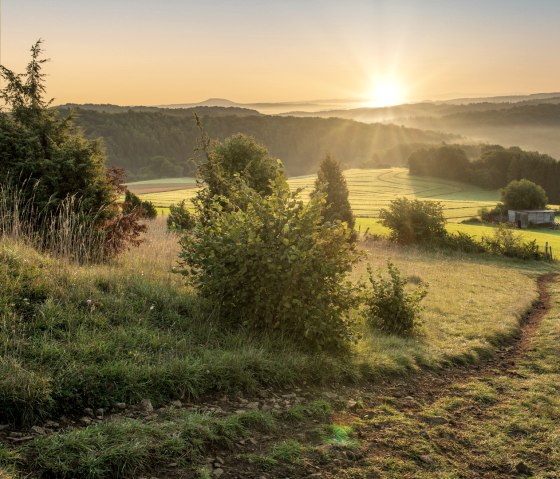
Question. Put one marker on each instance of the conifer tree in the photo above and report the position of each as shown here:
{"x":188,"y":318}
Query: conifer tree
{"x":331,"y":182}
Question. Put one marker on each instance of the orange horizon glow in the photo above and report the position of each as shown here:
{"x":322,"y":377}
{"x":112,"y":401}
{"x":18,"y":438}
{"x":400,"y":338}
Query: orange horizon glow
{"x":384,"y":52}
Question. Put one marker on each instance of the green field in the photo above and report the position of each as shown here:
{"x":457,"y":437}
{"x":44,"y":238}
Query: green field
{"x":371,"y":190}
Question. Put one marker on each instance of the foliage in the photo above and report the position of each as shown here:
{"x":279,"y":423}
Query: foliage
{"x":506,"y":242}
{"x":152,"y":144}
{"x":390,"y":308}
{"x":524,"y":195}
{"x":448,"y":161}
{"x":180,"y":219}
{"x":58,"y":174}
{"x":237,"y":162}
{"x":495,"y":168}
{"x":498,"y":214}
{"x":274,"y":266}
{"x":132,"y":202}
{"x":414,"y":221}
{"x":38,"y":146}
{"x":462,"y":242}
{"x":331,"y":182}
{"x":238,"y":155}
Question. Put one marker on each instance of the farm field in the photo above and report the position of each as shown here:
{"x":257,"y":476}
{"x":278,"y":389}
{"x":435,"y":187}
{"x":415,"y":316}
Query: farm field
{"x":370,"y":191}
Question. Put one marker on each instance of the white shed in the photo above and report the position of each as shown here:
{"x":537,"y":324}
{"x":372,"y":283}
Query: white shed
{"x":525,"y":218}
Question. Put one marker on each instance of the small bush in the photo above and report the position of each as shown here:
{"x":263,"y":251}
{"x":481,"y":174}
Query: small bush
{"x":497,"y":214}
{"x":414,"y":221}
{"x":180,"y":219}
{"x":506,"y":242}
{"x":462,"y":242}
{"x":132,"y":202}
{"x":390,"y":308}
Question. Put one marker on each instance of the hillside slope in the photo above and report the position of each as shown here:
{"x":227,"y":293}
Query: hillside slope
{"x":152,"y":144}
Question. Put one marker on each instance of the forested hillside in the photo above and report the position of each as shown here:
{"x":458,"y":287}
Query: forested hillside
{"x":158,"y":143}
{"x":494,"y":169}
{"x":532,"y":124}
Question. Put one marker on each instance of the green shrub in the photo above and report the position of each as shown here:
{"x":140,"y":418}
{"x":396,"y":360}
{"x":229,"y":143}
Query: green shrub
{"x":180,"y":219}
{"x":462,"y":242}
{"x":57,"y":175}
{"x":239,"y":155}
{"x":493,"y":215}
{"x":390,"y":308}
{"x":506,"y":242}
{"x":39,"y":146}
{"x":414,"y":221}
{"x":274,"y":266}
{"x":132,"y":202}
{"x":331,"y":182}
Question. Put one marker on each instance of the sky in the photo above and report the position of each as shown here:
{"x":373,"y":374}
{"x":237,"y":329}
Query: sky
{"x":139,"y":52}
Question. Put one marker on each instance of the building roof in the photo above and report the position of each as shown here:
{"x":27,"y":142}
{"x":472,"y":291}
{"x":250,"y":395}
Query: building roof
{"x":534,"y":211}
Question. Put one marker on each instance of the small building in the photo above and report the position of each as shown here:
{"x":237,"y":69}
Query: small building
{"x":525,"y":218}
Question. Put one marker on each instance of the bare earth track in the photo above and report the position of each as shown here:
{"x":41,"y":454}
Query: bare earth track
{"x":382,"y":416}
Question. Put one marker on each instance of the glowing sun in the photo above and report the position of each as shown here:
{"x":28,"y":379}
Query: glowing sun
{"x":387,"y":92}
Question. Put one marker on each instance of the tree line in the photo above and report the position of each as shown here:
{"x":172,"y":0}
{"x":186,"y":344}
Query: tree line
{"x":157,"y":144}
{"x":495,"y":168}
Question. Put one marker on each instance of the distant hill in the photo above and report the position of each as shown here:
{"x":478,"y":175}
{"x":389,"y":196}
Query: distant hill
{"x":533,"y":97}
{"x":156,"y":143}
{"x":203,"y":110}
{"x":531,"y":122}
{"x":275,"y":107}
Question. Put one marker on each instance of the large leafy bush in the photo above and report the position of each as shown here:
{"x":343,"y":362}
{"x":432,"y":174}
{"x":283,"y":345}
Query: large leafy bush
{"x":524,"y":195}
{"x":269,"y":264}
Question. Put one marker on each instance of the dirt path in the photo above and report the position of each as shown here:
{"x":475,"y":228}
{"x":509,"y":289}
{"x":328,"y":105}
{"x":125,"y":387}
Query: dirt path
{"x":433,"y":425}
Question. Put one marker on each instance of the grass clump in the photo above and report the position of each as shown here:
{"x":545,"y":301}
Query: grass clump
{"x":9,"y":459}
{"x":128,"y":447}
{"x":315,"y":409}
{"x":285,"y":452}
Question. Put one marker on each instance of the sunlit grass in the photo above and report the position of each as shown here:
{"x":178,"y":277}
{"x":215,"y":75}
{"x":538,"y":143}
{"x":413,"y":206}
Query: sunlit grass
{"x":542,"y":236}
{"x":372,"y":190}
{"x":469,"y":308}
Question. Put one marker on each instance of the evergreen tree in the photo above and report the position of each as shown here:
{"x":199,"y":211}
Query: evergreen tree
{"x":43,"y":152}
{"x":53,"y":166}
{"x":331,"y":182}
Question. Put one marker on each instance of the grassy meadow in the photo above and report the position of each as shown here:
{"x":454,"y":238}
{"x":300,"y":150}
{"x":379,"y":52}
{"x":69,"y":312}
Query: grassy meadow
{"x":89,"y":336}
{"x":371,"y":190}
{"x":76,"y":337}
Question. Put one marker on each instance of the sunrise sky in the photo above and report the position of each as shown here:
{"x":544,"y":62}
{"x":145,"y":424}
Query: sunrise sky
{"x":133,"y":52}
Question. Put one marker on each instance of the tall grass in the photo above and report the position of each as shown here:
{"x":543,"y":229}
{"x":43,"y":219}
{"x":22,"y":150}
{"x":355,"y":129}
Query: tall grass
{"x":70,"y":231}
